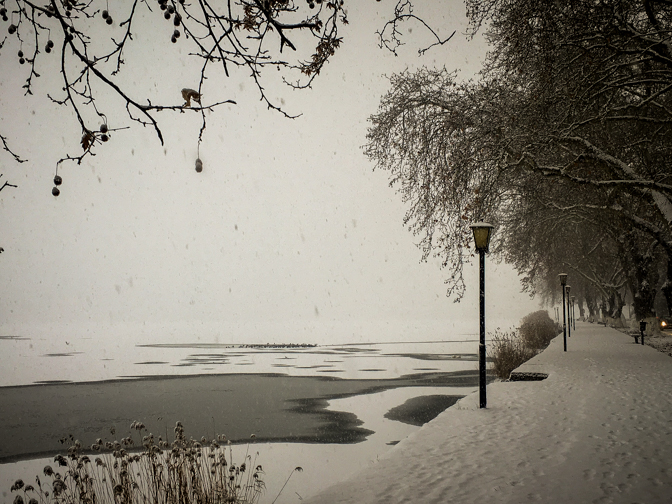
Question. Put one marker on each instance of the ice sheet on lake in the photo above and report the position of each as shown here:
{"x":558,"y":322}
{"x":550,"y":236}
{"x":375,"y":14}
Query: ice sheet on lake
{"x":27,"y":361}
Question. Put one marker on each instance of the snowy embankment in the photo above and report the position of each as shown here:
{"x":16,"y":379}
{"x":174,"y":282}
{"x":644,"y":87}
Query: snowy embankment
{"x":598,"y":429}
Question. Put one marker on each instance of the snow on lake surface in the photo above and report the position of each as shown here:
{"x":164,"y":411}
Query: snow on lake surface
{"x":597,"y":430}
{"x":26,"y":361}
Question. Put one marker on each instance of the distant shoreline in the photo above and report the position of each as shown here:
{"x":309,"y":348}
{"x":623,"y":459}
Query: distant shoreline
{"x":273,"y":407}
{"x":273,"y":346}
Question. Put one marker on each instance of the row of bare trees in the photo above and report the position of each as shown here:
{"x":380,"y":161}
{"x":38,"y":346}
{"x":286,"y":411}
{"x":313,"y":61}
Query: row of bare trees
{"x":564,"y":142}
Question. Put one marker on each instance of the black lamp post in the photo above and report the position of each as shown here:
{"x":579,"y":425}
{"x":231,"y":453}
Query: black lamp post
{"x":569,"y":313}
{"x":563,"y":282}
{"x":573,"y":298}
{"x":482,"y":232}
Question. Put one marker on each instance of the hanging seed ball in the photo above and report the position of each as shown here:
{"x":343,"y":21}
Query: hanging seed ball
{"x":163,"y":6}
{"x":47,"y":49}
{"x":58,"y":180}
{"x":199,"y":165}
{"x":167,"y":15}
{"x":72,"y":29}
{"x":176,"y":33}
{"x":3,"y":12}
{"x":104,"y":138}
{"x":11,"y":29}
{"x":105,"y":14}
{"x":55,"y":191}
{"x":20,"y":54}
{"x":173,"y":39}
{"x":177,"y":20}
{"x":22,"y":61}
{"x":171,"y":9}
{"x":50,"y":43}
{"x":103,"y":128}
{"x":109,"y":20}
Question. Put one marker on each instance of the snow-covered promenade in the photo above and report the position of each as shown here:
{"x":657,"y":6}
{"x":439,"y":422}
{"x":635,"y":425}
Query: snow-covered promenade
{"x":597,"y":430}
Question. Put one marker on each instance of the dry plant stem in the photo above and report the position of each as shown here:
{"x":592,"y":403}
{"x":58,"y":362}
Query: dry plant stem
{"x":296,"y":469}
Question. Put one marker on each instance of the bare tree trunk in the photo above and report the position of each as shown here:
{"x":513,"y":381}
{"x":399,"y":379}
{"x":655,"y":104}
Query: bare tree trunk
{"x":592,"y":306}
{"x":666,"y":288}
{"x":582,"y":312}
{"x":642,"y":286}
{"x":604,"y":307}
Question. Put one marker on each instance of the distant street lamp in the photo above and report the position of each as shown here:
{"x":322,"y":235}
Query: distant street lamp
{"x":569,"y":314}
{"x":563,"y":282}
{"x":482,"y":232}
{"x":573,"y":313}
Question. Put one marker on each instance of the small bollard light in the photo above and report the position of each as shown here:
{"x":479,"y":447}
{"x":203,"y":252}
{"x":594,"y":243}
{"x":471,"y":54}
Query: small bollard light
{"x":642,"y":328}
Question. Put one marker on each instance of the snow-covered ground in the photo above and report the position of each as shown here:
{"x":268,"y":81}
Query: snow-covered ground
{"x":597,"y":430}
{"x":662,"y":343}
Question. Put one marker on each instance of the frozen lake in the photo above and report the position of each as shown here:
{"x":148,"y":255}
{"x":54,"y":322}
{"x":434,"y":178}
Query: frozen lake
{"x":387,"y":376}
{"x":28,"y":361}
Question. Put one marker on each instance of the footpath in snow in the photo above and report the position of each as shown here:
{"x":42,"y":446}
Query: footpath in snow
{"x":597,"y":430}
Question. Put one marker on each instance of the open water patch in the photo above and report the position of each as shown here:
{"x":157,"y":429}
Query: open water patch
{"x":420,"y":410}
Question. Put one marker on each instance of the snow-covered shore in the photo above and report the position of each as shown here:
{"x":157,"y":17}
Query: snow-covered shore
{"x":597,"y":430}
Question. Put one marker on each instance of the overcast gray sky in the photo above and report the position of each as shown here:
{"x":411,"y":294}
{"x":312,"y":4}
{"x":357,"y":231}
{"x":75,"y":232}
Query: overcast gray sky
{"x":286,"y":235}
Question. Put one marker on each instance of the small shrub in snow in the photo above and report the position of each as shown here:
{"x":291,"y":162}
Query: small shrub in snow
{"x":537,"y":330}
{"x":508,"y":352}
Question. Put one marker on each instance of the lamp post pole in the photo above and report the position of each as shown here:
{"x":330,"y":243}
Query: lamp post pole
{"x":573,"y":314}
{"x":481,"y":344}
{"x":563,"y":282}
{"x":569,"y":313}
{"x":482,"y":232}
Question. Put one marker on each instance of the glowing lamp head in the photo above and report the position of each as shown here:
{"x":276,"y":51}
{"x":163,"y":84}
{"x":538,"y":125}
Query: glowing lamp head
{"x":563,"y":278}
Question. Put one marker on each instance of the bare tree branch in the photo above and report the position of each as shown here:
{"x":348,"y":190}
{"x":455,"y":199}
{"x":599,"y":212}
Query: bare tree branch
{"x":390,"y":36}
{"x":6,"y":147}
{"x":246,"y":34}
